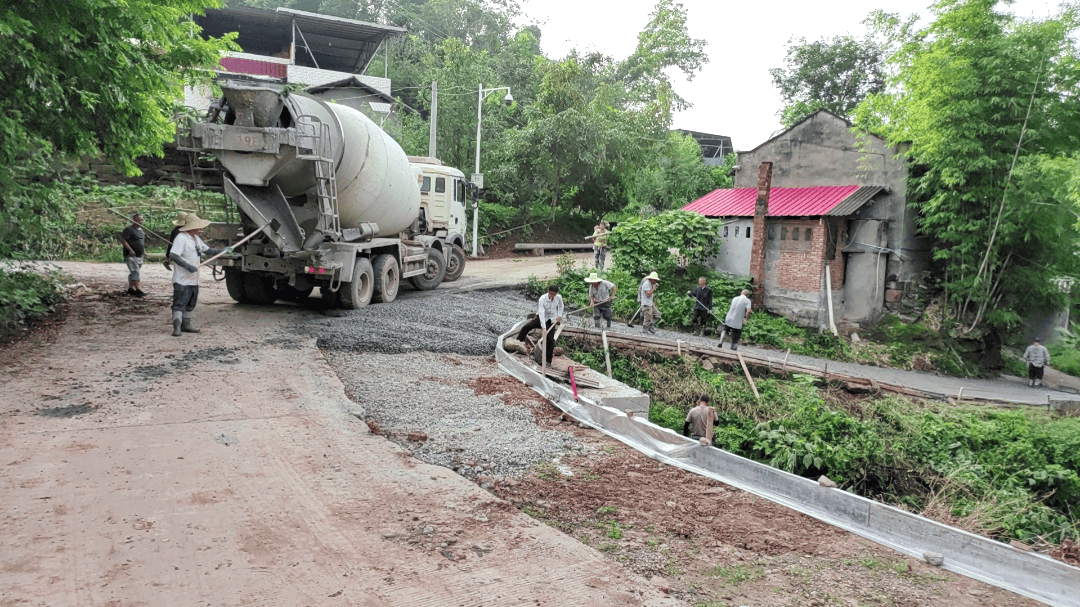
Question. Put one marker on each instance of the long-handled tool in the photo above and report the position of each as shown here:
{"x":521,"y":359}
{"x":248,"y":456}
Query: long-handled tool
{"x":236,"y":244}
{"x":630,"y":323}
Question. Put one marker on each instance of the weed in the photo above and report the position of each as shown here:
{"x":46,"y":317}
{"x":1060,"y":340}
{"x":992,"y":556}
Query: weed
{"x":607,"y":547}
{"x":615,"y":531}
{"x":652,"y":543}
{"x":547,"y":471}
{"x":534,"y":512}
{"x":672,"y":570}
{"x":737,"y":574}
{"x":605,"y":510}
{"x":585,"y":539}
{"x":650,"y":528}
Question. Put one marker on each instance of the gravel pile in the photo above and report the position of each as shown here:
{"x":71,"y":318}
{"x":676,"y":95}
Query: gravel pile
{"x":426,"y":396}
{"x":464,"y":323}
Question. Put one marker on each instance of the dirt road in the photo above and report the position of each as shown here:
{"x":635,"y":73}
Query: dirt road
{"x":226,"y":469}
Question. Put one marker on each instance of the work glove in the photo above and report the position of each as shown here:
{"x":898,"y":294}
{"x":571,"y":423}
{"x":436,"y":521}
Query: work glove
{"x":689,"y":294}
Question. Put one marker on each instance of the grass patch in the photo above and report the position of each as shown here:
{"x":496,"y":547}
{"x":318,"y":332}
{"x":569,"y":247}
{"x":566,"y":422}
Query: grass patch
{"x":27,"y":297}
{"x":738,"y":574}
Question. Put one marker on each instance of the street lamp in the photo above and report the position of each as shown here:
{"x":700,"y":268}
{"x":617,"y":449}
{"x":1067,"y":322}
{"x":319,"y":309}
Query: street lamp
{"x":477,"y":176}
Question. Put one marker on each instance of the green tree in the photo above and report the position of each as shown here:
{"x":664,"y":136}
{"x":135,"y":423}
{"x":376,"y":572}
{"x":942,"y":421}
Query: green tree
{"x":88,"y":76}
{"x":663,"y":44}
{"x":834,"y":74}
{"x":643,"y":245}
{"x":990,"y":105}
{"x":676,"y":176}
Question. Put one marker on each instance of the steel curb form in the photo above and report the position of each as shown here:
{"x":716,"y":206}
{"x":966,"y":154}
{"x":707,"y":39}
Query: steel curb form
{"x":1026,"y":573}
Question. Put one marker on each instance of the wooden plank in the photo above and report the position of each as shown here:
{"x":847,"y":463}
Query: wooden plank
{"x":748,"y":378}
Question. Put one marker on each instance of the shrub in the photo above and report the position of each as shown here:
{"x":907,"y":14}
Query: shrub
{"x":27,"y":296}
{"x":643,"y":245}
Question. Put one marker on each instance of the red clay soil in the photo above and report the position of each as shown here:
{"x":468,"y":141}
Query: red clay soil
{"x":710,"y":544}
{"x":541,"y":232}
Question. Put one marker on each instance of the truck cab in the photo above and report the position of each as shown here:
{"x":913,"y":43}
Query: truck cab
{"x":443,"y":195}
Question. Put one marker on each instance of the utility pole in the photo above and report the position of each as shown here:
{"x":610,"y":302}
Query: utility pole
{"x":434,"y":119}
{"x":476,"y":204}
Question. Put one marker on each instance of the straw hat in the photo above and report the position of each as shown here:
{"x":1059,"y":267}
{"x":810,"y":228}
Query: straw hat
{"x":594,"y":277}
{"x":192,"y":222}
{"x":181,"y":219}
{"x":653,"y":276}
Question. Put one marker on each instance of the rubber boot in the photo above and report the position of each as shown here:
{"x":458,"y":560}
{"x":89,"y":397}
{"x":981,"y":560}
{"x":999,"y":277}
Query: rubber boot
{"x":177,"y":318}
{"x":185,"y":325}
{"x":723,"y":334}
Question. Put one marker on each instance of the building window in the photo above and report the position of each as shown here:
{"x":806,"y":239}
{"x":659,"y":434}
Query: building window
{"x":783,"y":233}
{"x":809,"y":233}
{"x":748,"y":228}
{"x":772,"y":233}
{"x":736,"y":231}
{"x":725,"y":231}
{"x":794,"y":233}
{"x":440,"y":185}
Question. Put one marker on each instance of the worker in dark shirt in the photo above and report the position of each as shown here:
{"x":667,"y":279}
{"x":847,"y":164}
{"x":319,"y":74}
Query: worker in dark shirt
{"x":702,"y":307}
{"x":134,"y":241}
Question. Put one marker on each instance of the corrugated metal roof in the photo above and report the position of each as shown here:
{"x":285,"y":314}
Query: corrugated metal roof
{"x":839,"y":200}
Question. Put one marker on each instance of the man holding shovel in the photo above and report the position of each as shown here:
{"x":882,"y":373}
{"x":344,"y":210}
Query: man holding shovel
{"x":601,"y":292}
{"x":649,"y":312}
{"x":703,"y":308}
{"x":549,"y":312}
{"x":738,"y":313}
{"x":185,"y":253}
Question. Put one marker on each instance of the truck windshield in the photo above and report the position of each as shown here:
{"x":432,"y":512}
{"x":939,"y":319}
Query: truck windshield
{"x":426,"y":186}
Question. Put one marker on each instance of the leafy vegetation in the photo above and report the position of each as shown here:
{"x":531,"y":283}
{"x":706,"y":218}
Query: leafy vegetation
{"x":1005,"y":474}
{"x":80,"y":219}
{"x":994,"y":164}
{"x":664,"y":243}
{"x":27,"y":296}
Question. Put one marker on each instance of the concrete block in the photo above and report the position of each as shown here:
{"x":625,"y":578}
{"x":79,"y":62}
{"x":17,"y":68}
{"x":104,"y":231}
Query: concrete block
{"x":893,"y":295}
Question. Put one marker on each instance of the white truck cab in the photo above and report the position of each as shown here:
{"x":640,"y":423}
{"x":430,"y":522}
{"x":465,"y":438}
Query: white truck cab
{"x":443,"y":195}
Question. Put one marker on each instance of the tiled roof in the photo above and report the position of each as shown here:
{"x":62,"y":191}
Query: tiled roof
{"x":841,"y":200}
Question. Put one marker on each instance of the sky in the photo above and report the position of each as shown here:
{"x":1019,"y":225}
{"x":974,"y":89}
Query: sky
{"x":733,"y":95}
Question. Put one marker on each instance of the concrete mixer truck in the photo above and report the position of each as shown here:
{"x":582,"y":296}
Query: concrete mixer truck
{"x":326,"y":199}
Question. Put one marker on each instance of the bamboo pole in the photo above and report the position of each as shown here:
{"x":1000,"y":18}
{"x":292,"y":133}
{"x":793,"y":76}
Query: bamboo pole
{"x":748,"y":378}
{"x":607,"y":354}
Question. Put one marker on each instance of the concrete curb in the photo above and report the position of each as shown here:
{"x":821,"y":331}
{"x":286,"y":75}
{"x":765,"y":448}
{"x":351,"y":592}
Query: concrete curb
{"x":1027,"y":573}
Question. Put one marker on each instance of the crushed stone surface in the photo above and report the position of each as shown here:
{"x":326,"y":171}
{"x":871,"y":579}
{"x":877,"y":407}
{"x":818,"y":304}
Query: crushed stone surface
{"x":451,"y":411}
{"x":465,"y":323}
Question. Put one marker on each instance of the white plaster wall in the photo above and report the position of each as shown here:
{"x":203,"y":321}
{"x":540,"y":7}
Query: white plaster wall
{"x":735,"y":247}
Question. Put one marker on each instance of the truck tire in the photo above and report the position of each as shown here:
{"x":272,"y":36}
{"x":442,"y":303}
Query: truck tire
{"x":234,"y":283}
{"x":436,"y":271}
{"x":291,"y":293}
{"x":258,"y":289}
{"x":387,"y":278}
{"x":455,"y":265}
{"x":357,"y":294}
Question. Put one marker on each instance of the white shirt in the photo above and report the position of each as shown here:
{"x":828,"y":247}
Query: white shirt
{"x":549,"y":308}
{"x":188,"y":248}
{"x":736,"y":315}
{"x":643,"y":297}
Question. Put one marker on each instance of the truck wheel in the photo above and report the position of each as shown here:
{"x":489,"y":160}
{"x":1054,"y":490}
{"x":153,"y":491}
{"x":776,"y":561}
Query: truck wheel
{"x":387,"y":278}
{"x":436,"y":271}
{"x":258,"y":289}
{"x":291,"y":293}
{"x":234,"y":282}
{"x":456,"y":264}
{"x":357,"y":294}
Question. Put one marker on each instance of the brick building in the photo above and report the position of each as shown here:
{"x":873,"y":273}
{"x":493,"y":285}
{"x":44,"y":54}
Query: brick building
{"x":836,"y":207}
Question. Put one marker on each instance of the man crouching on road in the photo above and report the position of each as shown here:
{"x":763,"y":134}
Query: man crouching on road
{"x":185,"y":254}
{"x":700,"y":421}
{"x":549,"y":312}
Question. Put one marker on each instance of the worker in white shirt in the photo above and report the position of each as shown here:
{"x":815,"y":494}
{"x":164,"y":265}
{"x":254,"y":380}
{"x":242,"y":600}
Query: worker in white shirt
{"x":549,"y":312}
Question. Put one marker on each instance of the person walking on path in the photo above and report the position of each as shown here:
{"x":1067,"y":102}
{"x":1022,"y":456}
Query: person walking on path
{"x":649,"y":312}
{"x":600,"y":246}
{"x":700,"y":421}
{"x":549,"y":312}
{"x":738,"y":313}
{"x":185,"y":253}
{"x":1037,"y":357}
{"x":601,"y":292}
{"x":702,"y":306}
{"x":134,"y":241}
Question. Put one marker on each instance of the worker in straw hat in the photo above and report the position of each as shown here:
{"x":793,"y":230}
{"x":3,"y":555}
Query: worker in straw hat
{"x":601,"y":292}
{"x":179,"y":221}
{"x":185,"y":253}
{"x":646,"y":292}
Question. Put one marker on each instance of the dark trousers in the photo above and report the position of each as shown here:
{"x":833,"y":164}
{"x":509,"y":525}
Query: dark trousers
{"x":700,"y":317}
{"x":184,"y":297}
{"x":1035,"y":372}
{"x":736,"y":334}
{"x":535,"y":324}
{"x":602,"y":311}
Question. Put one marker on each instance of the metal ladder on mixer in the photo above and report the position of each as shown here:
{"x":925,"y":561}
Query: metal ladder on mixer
{"x":314,"y":143}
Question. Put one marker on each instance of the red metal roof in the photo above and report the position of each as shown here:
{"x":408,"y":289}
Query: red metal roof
{"x":783,"y":202}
